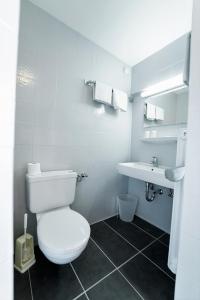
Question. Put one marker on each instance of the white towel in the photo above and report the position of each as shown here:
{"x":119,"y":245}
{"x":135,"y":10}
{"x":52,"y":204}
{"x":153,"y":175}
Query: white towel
{"x":102,"y":93}
{"x":160,"y":113}
{"x":120,"y":100}
{"x":150,"y":111}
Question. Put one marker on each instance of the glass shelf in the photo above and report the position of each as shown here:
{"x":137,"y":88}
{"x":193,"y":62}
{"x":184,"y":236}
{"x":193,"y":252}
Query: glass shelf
{"x":160,"y":140}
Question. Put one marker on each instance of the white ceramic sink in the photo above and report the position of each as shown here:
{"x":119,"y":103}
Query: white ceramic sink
{"x":145,"y":172}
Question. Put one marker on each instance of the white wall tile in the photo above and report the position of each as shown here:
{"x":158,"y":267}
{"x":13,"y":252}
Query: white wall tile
{"x":70,"y":130}
{"x":23,"y":155}
{"x":24,"y":133}
{"x":25,"y":111}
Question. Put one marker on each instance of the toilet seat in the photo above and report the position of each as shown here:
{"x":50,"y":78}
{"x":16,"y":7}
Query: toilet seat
{"x":62,"y":234}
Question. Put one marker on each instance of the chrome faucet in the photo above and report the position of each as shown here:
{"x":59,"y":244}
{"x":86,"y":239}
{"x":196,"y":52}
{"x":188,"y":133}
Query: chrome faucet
{"x":154,"y":161}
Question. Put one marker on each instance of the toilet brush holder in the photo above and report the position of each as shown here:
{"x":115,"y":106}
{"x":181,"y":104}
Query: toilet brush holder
{"x":24,"y":253}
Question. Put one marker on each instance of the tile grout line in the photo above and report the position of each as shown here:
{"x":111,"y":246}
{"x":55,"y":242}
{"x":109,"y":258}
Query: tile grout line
{"x":84,"y":292}
{"x":163,"y":242}
{"x":103,"y":252}
{"x":142,"y":298}
{"x":102,"y":220}
{"x":119,"y":234}
{"x":29,"y":276}
{"x":133,"y":224}
{"x":80,"y":295}
{"x":153,"y":236}
{"x":99,"y":281}
{"x":145,"y":230}
{"x":117,"y":269}
{"x":158,"y":238}
{"x":140,"y":251}
{"x":158,"y":267}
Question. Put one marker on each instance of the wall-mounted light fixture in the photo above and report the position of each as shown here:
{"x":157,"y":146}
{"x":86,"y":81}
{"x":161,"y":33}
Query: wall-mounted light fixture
{"x":163,"y":87}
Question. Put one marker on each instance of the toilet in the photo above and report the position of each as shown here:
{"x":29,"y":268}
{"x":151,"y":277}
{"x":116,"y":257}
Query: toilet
{"x":62,"y":233}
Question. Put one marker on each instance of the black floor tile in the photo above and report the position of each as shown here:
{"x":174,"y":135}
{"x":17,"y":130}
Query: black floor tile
{"x":165,"y":239}
{"x":113,"y":287}
{"x":158,"y":253}
{"x":82,"y":297}
{"x":58,"y":282}
{"x":133,"y":234}
{"x":149,"y":281}
{"x":153,"y":230}
{"x":113,"y":245}
{"x":22,"y":290}
{"x":51,"y":281}
{"x":92,"y":265}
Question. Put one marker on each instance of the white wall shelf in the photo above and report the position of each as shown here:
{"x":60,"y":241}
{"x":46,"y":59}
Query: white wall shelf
{"x":160,"y":140}
{"x":181,"y":124}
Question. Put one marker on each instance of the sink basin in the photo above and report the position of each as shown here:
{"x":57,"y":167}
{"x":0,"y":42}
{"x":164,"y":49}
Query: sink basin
{"x":145,"y":172}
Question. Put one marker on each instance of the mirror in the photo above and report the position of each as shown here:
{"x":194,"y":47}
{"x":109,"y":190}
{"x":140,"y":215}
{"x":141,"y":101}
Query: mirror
{"x":166,"y":109}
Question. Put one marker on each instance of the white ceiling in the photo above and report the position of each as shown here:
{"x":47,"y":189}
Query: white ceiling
{"x":129,"y":29}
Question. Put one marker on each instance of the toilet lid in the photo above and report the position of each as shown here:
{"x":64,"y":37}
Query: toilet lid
{"x":62,"y":230}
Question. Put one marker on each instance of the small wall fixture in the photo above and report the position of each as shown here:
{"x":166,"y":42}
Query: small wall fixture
{"x":174,"y":83}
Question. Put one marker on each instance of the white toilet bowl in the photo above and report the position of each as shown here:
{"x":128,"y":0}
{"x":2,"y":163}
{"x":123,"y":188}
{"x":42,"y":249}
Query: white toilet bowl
{"x":62,"y":234}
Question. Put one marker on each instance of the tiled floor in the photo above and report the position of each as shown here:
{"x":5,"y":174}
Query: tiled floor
{"x":122,"y":261}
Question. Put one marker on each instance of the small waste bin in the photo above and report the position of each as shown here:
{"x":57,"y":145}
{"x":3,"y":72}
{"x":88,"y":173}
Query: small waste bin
{"x":127,"y":205}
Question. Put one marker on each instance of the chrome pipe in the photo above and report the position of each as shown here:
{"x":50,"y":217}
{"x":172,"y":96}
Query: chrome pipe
{"x":90,"y":82}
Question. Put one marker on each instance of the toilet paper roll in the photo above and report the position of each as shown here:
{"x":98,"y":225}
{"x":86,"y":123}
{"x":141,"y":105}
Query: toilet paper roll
{"x":33,"y":168}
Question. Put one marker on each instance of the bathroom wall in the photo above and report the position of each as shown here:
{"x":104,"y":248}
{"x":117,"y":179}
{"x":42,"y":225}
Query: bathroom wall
{"x":162,"y":65}
{"x":57,"y":122}
{"x":9,"y":19}
{"x":188,"y":269}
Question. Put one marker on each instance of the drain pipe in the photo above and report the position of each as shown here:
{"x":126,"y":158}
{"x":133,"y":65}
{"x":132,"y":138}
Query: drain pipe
{"x":147,"y":192}
{"x":150,"y":187}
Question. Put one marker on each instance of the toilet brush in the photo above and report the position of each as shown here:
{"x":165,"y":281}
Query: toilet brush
{"x":25,"y":255}
{"x":24,"y":250}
